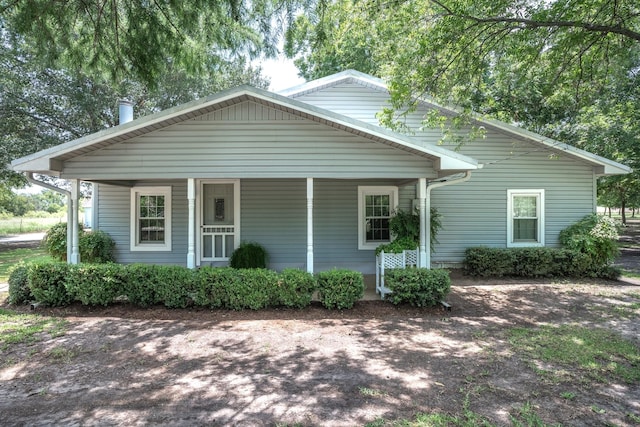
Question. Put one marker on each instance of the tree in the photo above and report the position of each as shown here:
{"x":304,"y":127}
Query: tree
{"x":41,"y":106}
{"x":568,"y":69}
{"x":123,"y":38}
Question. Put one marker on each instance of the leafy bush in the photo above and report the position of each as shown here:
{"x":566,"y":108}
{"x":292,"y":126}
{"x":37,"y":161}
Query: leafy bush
{"x":340,"y":288}
{"x":139,"y":284}
{"x":212,"y":286}
{"x":96,"y":247}
{"x":594,"y":235}
{"x":489,"y":262}
{"x":533,"y":262}
{"x":47,"y":283}
{"x":420,"y":287}
{"x":249,"y":255}
{"x":174,"y":285}
{"x":95,"y":284}
{"x":55,"y":241}
{"x":19,"y":291}
{"x":295,"y":288}
{"x":254,"y":289}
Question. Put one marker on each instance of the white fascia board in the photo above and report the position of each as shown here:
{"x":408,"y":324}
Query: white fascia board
{"x":333,"y":79}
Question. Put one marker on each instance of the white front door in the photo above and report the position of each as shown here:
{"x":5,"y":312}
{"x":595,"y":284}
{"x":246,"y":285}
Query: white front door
{"x":219,"y":219}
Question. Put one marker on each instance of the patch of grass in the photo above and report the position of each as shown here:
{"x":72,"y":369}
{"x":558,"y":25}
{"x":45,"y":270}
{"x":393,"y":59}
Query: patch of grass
{"x":28,"y":225}
{"x":595,"y":353}
{"x":62,"y":354}
{"x":371,"y":392}
{"x":9,"y":258}
{"x":16,"y":328}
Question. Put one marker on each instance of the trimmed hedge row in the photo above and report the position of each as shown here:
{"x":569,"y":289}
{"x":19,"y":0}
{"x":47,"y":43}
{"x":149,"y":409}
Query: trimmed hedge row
{"x":533,"y":262}
{"x":59,"y":284}
{"x":419,"y":287}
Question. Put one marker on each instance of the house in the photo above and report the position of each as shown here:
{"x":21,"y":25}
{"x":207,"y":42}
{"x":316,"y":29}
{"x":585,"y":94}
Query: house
{"x":309,"y":174}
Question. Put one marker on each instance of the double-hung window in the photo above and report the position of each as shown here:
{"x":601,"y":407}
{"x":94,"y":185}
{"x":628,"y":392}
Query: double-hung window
{"x":375,"y":207}
{"x":151,"y":219}
{"x":525,"y":218}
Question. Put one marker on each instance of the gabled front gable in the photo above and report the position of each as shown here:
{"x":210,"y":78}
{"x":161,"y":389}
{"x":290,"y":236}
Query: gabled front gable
{"x":54,"y":161}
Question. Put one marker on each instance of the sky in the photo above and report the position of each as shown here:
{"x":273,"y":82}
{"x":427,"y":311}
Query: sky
{"x":282,"y":72}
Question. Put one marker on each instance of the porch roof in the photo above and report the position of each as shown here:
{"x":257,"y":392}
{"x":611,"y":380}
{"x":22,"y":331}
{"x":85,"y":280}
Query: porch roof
{"x":51,"y":161}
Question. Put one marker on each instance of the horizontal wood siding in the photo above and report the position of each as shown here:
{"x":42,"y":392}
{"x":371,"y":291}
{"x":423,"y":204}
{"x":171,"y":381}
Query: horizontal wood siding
{"x":251,"y":145}
{"x":274,"y":214}
{"x":475,"y":213}
{"x":114,"y":219}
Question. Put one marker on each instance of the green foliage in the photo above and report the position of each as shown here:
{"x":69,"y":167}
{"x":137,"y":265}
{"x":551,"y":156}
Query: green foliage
{"x":419,"y":287}
{"x":405,"y":227}
{"x":398,"y":245}
{"x":295,"y":288}
{"x":174,"y":285}
{"x":47,"y":283}
{"x":253,"y":289}
{"x":532,"y":262}
{"x":55,"y":241}
{"x":595,"y":236}
{"x":16,"y":328}
{"x":95,"y":246}
{"x":249,"y":255}
{"x":19,"y":291}
{"x":340,"y":288}
{"x":139,"y":284}
{"x":97,"y":284}
{"x":213,"y":284}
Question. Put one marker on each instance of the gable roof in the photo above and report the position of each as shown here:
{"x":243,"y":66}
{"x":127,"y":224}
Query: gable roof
{"x":51,"y":161}
{"x":603,"y":165}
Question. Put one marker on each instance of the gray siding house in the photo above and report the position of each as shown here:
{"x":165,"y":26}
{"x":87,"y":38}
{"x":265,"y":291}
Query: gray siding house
{"x":309,"y":174}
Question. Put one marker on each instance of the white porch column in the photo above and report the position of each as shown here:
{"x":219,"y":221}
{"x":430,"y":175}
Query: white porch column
{"x":310,"y":225}
{"x":424,"y":257}
{"x":191,"y":239}
{"x":75,"y":244}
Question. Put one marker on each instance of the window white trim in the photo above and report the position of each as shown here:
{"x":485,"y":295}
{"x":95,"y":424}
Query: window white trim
{"x":135,"y":246}
{"x":539,"y":194}
{"x":363,"y":191}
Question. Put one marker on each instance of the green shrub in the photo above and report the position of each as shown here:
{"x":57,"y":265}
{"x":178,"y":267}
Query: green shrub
{"x":420,"y":287}
{"x":96,"y":247}
{"x":19,"y":291}
{"x":533,"y":262}
{"x":139,"y":284}
{"x":55,"y":241}
{"x":249,"y":255}
{"x":254,"y":289}
{"x":340,"y":288}
{"x":594,"y":235}
{"x":95,"y":284}
{"x":295,"y":288}
{"x":174,"y":285}
{"x":489,"y":262}
{"x":213,"y":285}
{"x":47,"y":283}
{"x":405,"y":226}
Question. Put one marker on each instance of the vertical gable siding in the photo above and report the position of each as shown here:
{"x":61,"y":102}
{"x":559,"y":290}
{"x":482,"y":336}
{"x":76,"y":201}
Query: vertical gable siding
{"x":114,"y":219}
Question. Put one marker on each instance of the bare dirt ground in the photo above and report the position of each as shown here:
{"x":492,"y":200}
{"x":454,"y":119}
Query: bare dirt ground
{"x":126,"y":366}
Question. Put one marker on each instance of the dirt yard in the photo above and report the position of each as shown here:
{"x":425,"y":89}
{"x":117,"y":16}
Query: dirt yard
{"x":314,"y":367}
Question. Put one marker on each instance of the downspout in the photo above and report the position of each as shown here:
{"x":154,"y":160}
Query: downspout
{"x":32,"y":180}
{"x":426,"y":232}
